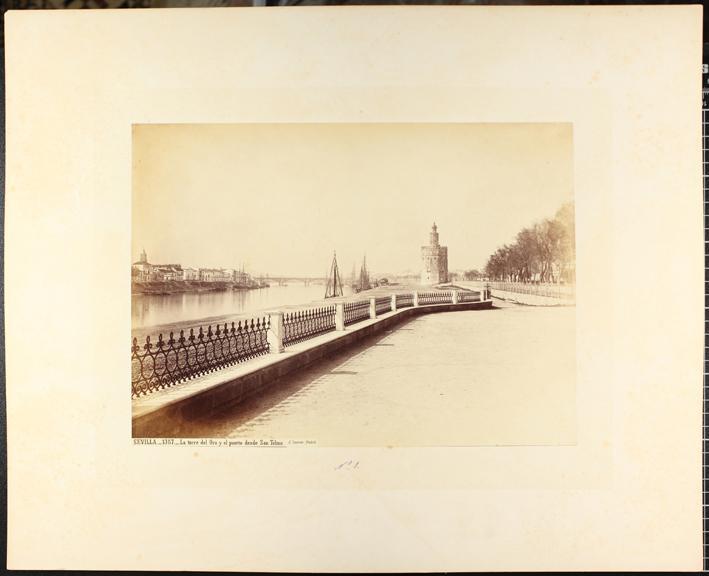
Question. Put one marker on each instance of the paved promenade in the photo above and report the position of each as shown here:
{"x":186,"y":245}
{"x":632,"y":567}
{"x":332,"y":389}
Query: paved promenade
{"x":503,"y":376}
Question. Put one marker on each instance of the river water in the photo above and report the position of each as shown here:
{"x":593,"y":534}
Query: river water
{"x":155,"y":309}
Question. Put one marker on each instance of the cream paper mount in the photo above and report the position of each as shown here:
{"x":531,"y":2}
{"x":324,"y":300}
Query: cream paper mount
{"x":626,"y":495}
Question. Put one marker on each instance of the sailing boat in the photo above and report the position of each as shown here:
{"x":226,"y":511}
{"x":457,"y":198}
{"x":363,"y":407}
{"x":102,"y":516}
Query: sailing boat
{"x":334,"y":284}
{"x":364,"y":283}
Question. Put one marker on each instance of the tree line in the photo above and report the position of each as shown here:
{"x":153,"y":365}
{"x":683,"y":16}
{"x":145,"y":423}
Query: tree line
{"x":543,"y":252}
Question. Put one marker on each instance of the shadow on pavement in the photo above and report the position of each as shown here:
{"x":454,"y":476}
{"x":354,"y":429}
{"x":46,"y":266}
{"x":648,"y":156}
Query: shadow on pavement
{"x":231,"y":417}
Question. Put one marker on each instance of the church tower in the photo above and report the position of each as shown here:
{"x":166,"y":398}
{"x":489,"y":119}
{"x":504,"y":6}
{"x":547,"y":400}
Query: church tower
{"x":434,"y":260}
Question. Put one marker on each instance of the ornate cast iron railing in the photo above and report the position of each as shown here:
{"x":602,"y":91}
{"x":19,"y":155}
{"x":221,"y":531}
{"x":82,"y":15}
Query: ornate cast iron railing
{"x":356,"y":312}
{"x":564,"y":291}
{"x":404,"y":300}
{"x":304,"y":324}
{"x":435,"y":298}
{"x":382,"y":305}
{"x":160,"y":364}
{"x":464,"y":296}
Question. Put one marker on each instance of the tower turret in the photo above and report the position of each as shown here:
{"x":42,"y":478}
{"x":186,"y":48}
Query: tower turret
{"x":434,"y":235}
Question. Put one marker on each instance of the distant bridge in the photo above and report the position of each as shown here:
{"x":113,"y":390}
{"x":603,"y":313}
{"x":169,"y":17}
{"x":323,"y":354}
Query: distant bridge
{"x":318,"y":280}
{"x":305,"y":280}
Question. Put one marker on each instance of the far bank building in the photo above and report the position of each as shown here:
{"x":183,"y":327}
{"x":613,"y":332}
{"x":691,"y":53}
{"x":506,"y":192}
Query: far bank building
{"x":435,"y":261}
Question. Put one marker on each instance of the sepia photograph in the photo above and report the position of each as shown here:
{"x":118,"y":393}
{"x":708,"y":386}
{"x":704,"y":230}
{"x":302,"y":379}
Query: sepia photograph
{"x":412,"y":289}
{"x":354,"y":284}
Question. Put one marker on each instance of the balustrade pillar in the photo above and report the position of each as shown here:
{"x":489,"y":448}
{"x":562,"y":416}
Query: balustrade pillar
{"x":275,"y":333}
{"x":372,"y":307}
{"x":455,"y":296}
{"x":339,"y":316}
{"x":416,"y":298}
{"x":393,"y":302}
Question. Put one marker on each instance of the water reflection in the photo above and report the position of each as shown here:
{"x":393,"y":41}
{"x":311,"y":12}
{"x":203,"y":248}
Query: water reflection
{"x":156,"y":309}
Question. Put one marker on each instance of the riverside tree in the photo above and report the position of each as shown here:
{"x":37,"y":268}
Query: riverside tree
{"x":544,"y":252}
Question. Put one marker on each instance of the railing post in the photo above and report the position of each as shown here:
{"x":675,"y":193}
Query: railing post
{"x":372,"y":307}
{"x":339,"y":316}
{"x":275,"y":333}
{"x":393,"y":302}
{"x":416,"y":298}
{"x":455,"y":296}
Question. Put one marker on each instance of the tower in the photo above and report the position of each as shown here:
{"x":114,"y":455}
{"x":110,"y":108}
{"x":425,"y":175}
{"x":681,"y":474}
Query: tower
{"x":143,"y":257}
{"x":434,"y":259}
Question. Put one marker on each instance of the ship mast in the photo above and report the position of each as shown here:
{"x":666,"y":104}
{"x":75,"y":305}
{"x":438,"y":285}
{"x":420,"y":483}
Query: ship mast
{"x":334,"y":283}
{"x":364,"y":276}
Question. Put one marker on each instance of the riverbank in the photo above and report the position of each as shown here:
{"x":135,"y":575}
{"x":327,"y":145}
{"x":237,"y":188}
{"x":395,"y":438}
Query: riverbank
{"x":181,"y":286}
{"x":423,"y":385}
{"x":175,"y":411}
{"x":153,"y":313}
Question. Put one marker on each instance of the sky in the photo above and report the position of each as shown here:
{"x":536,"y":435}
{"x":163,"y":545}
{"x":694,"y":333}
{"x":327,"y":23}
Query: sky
{"x":281,"y":198}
